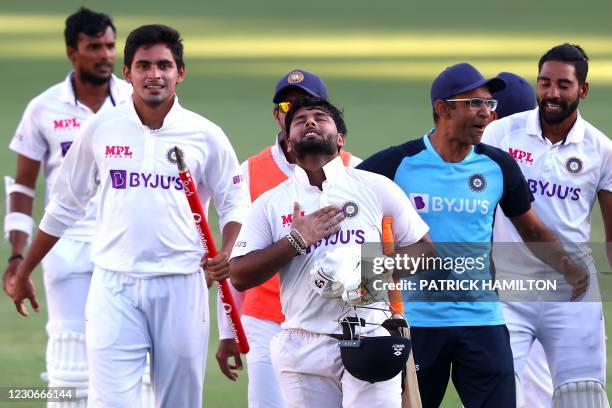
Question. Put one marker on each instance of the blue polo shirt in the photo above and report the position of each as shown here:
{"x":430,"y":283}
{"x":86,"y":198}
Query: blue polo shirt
{"x":457,"y":201}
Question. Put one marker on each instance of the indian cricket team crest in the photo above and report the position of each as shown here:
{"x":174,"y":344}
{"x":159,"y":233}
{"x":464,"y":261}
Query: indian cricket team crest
{"x":171,"y":154}
{"x":295,"y":77}
{"x":574,"y":165}
{"x":477,"y":182}
{"x":350,"y":209}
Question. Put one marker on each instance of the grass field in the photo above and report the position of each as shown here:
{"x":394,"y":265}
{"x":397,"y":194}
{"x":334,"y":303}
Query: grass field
{"x":377,"y":60}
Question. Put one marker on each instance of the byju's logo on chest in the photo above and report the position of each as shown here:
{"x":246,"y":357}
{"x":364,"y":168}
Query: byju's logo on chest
{"x":425,"y":203}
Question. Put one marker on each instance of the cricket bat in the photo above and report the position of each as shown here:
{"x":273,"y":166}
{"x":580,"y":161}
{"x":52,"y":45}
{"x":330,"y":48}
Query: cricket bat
{"x":225,"y":295}
{"x":411,"y":398}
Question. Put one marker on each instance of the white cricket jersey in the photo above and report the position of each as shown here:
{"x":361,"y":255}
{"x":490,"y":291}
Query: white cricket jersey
{"x":281,"y":161}
{"x":370,"y":197}
{"x":564,"y":178}
{"x":144,"y":224}
{"x":47,"y":130}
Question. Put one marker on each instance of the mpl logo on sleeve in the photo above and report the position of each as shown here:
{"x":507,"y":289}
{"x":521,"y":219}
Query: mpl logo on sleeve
{"x":66,"y":124}
{"x":118,"y":152}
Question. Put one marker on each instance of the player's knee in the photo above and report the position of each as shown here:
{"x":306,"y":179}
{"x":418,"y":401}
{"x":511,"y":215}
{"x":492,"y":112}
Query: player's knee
{"x":584,"y":394}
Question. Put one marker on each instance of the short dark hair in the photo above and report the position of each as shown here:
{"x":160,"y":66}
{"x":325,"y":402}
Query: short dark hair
{"x":319,"y":103}
{"x":87,"y":22}
{"x":150,"y":35}
{"x":570,"y":54}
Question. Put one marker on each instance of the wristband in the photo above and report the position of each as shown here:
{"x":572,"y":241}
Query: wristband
{"x":299,"y":238}
{"x":16,"y":256}
{"x":16,"y":221}
{"x":294,"y":244}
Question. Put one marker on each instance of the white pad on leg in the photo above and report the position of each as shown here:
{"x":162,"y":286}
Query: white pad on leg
{"x":147,"y":398}
{"x":67,"y":366}
{"x":583,"y":394}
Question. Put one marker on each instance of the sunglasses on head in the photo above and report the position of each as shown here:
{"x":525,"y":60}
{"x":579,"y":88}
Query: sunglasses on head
{"x":284,"y":106}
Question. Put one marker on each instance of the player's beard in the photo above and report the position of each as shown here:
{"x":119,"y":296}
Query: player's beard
{"x":306,"y":147}
{"x":93,"y":79}
{"x":555,"y":118}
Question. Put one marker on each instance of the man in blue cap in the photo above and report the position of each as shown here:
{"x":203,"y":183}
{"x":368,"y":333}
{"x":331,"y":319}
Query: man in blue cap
{"x":260,"y":306}
{"x":455,"y":183}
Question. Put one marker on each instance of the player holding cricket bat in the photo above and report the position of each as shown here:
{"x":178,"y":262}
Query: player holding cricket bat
{"x":147,"y":293}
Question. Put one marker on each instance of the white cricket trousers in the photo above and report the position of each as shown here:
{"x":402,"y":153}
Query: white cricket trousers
{"x":571,"y":333}
{"x":537,"y":382}
{"x":128,"y":317}
{"x":310,"y":374}
{"x":264,"y":391}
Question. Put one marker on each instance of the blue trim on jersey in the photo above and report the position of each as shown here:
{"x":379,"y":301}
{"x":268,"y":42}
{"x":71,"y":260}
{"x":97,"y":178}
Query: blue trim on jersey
{"x":457,"y":201}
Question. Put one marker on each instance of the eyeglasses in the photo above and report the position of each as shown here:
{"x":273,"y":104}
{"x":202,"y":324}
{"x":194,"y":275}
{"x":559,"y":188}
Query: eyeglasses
{"x":284,"y":106}
{"x":478,"y":103}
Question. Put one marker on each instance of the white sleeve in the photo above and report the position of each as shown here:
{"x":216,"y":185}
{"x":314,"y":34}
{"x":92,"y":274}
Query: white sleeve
{"x":225,"y":329}
{"x":223,"y":178}
{"x":408,"y":226}
{"x":256,"y":232}
{"x":605,"y":181}
{"x":493,"y":133}
{"x":28,"y":140}
{"x":354,"y":161}
{"x":76,"y":184}
{"x":244,"y":168}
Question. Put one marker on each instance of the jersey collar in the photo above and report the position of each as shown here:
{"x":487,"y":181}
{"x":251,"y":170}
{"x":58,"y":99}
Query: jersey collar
{"x":68,"y":95}
{"x":171,"y":118}
{"x":334,"y":170}
{"x":432,"y":150}
{"x":575,"y":135}
{"x":279,"y":154}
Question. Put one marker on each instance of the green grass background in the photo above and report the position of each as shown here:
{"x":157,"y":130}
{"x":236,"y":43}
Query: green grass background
{"x":378,"y":60}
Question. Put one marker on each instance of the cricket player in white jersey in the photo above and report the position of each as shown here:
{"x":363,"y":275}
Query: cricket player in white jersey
{"x":568,"y":164}
{"x":43,"y":137}
{"x":536,"y":383}
{"x":146,"y":294}
{"x":260,"y":306}
{"x":343,"y":207}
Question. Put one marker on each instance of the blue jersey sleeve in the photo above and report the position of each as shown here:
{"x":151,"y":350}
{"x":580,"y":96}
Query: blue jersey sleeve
{"x":387,"y":161}
{"x":516,"y":197}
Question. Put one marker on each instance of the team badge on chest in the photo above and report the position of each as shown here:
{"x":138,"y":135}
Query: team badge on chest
{"x":574,"y":165}
{"x":171,"y":155}
{"x":477,"y":182}
{"x":350,"y":209}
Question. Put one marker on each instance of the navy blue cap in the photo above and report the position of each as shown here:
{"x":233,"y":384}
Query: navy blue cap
{"x":461,"y":78}
{"x":518,"y":96}
{"x":298,"y":78}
